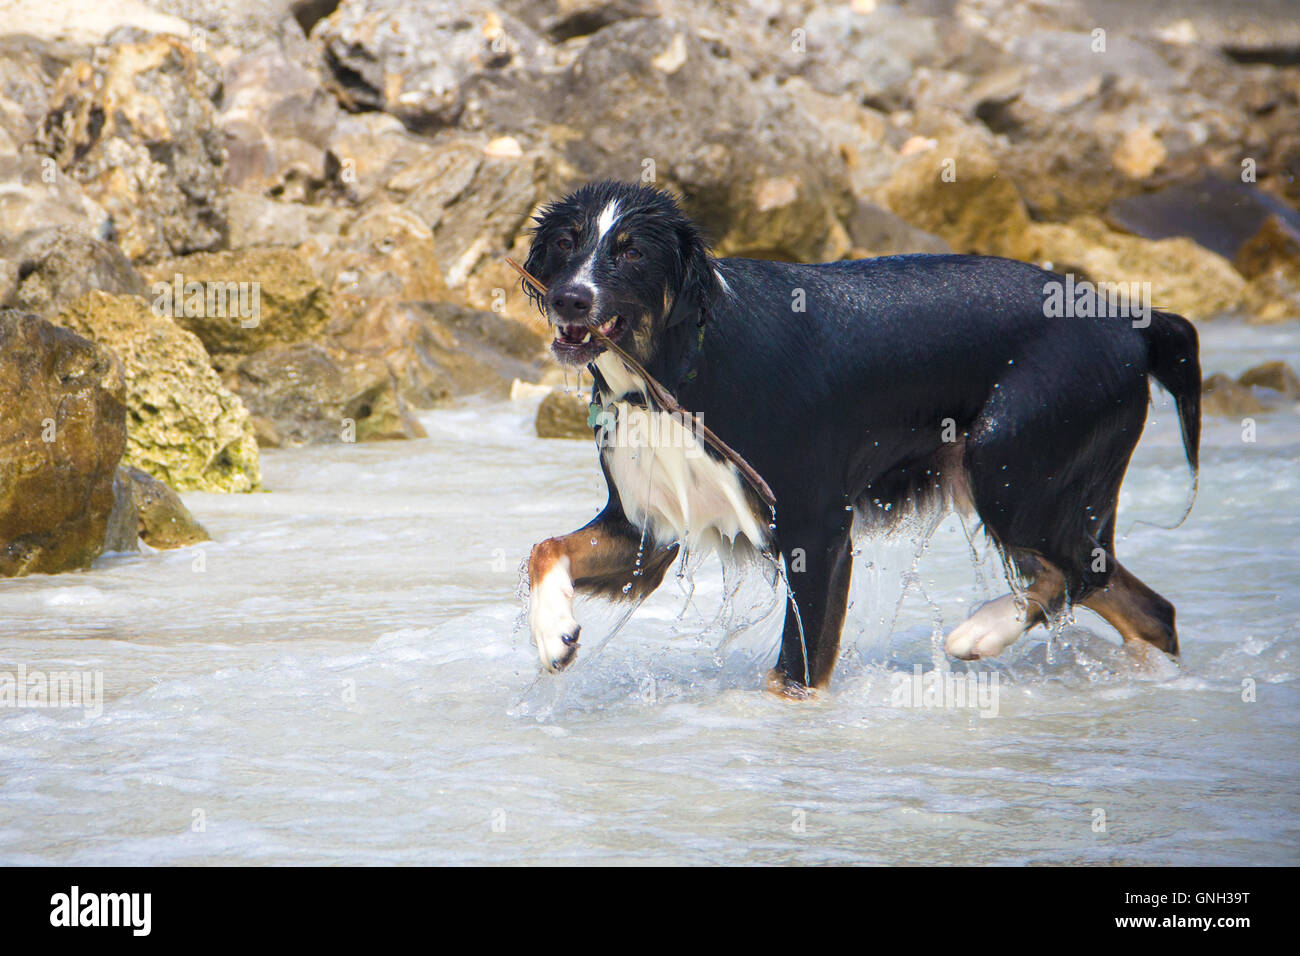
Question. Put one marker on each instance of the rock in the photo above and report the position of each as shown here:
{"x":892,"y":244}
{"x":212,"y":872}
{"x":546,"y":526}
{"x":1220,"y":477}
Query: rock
{"x":257,"y":221}
{"x":163,"y":520}
{"x":278,"y":120}
{"x":877,"y":231}
{"x":60,"y":264}
{"x":385,"y":251}
{"x":439,"y":350}
{"x":1223,"y":395}
{"x":88,"y":22}
{"x":312,"y":395}
{"x":1222,"y":215}
{"x":1271,"y":261}
{"x":564,"y":415}
{"x":1185,"y":277}
{"x":244,"y":25}
{"x":25,"y":82}
{"x":184,"y":427}
{"x":423,"y":63}
{"x":123,"y":532}
{"x":243,"y":301}
{"x":61,"y":436}
{"x":957,"y":190}
{"x":1276,"y":375}
{"x":756,"y":176}
{"x":37,"y":195}
{"x":136,"y":126}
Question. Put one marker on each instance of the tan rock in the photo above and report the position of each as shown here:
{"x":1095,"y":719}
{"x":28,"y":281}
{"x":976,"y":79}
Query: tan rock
{"x":184,"y":427}
{"x":1276,"y":375}
{"x":564,"y":415}
{"x":1223,"y":395}
{"x":243,"y":301}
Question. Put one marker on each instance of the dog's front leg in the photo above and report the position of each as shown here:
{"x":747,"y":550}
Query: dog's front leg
{"x":605,"y":557}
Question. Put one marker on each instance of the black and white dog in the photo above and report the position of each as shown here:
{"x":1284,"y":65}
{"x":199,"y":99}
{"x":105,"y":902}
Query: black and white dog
{"x":858,"y":389}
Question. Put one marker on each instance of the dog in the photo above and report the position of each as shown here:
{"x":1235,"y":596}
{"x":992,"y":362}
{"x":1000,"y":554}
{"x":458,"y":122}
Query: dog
{"x":860,"y":391}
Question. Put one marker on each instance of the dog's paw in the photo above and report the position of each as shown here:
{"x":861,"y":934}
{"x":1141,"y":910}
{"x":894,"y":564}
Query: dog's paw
{"x":780,"y":684}
{"x":551,"y":621}
{"x":988,"y":632}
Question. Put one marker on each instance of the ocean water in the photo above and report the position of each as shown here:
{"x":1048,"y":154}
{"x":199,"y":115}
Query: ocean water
{"x":342,"y":676}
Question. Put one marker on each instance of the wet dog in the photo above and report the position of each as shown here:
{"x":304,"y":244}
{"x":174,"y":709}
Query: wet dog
{"x":860,"y":391}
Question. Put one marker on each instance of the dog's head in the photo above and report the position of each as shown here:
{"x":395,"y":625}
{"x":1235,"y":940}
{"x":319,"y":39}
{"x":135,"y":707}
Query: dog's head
{"x":621,"y":258}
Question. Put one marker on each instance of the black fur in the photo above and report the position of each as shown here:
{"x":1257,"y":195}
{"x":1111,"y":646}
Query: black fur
{"x":845,"y":403}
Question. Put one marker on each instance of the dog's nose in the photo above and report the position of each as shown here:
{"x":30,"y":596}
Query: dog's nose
{"x":572,"y":303}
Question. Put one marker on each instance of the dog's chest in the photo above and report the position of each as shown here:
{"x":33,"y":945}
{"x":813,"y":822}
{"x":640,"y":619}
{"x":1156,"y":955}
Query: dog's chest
{"x":667,"y":482}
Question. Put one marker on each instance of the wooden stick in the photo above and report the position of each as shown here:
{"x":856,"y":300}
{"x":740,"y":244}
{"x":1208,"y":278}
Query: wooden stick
{"x":669,"y":404}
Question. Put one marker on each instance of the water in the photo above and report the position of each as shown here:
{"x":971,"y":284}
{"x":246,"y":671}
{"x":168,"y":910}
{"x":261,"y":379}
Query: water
{"x":339,"y":678}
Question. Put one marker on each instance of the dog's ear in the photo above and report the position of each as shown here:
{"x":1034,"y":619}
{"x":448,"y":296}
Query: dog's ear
{"x":533,"y":264}
{"x":700,"y":284}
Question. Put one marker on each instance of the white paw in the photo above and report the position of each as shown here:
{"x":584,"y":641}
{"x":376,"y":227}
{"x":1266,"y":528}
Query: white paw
{"x":550,"y":618}
{"x":988,"y":632}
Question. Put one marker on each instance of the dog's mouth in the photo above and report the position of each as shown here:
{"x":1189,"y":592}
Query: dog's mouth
{"x":578,"y":344}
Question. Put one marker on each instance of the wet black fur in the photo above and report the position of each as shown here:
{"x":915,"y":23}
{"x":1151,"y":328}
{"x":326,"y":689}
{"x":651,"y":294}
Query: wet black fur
{"x":845,"y":403}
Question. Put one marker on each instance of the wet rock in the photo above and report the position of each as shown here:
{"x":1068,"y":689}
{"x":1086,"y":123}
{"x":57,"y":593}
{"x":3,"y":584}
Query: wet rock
{"x":563,"y":415}
{"x":163,"y":521}
{"x":123,"y":532}
{"x":62,"y":434}
{"x":136,"y":127}
{"x":877,"y":231}
{"x":1276,"y":375}
{"x":424,"y":63}
{"x":313,"y":394}
{"x":60,"y":264}
{"x":183,"y":426}
{"x":241,"y":301}
{"x":1223,"y":395}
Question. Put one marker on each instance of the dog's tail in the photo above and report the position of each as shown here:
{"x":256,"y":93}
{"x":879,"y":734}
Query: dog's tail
{"x":1173,"y":357}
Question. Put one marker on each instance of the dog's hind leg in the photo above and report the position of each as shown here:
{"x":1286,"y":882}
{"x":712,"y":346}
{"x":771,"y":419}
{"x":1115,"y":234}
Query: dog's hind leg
{"x":1137,"y":612}
{"x":997,"y":625}
{"x":606,"y":557}
{"x":819,"y":566}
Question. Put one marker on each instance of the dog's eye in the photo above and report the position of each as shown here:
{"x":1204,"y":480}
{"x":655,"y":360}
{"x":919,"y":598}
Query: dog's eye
{"x":564,"y":243}
{"x":631,"y":254}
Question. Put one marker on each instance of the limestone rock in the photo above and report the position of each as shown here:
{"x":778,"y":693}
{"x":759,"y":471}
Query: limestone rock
{"x":60,"y":264}
{"x":564,"y":415}
{"x":61,"y":436}
{"x":183,"y":427}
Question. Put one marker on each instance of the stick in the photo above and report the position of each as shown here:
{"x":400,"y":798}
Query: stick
{"x":669,"y":404}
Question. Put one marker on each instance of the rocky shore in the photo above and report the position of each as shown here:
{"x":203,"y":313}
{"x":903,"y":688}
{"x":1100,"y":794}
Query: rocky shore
{"x":267,"y":223}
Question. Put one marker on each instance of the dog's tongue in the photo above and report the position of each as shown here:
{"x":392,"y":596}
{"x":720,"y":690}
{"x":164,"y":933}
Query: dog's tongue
{"x":574,"y":334}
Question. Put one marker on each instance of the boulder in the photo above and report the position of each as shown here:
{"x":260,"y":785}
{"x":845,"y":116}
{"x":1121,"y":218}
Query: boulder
{"x":241,"y":301}
{"x":1277,"y":375}
{"x":438,"y":350}
{"x":183,"y":427}
{"x":1223,"y":395}
{"x":564,"y":415}
{"x":1271,"y":262}
{"x":162,"y":520}
{"x":62,"y":263}
{"x":424,"y":63}
{"x":312,"y":394}
{"x":62,"y":434}
{"x":136,"y":126}
{"x":38,"y":195}
{"x":123,"y":532}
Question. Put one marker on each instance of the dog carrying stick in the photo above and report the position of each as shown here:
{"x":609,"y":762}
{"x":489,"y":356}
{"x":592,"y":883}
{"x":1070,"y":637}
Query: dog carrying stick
{"x":669,"y":404}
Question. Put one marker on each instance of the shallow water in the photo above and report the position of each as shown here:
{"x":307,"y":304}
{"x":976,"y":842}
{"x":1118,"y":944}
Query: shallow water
{"x":339,"y":677}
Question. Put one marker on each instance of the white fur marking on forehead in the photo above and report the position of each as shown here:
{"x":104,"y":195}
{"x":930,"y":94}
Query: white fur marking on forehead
{"x":607,"y":217}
